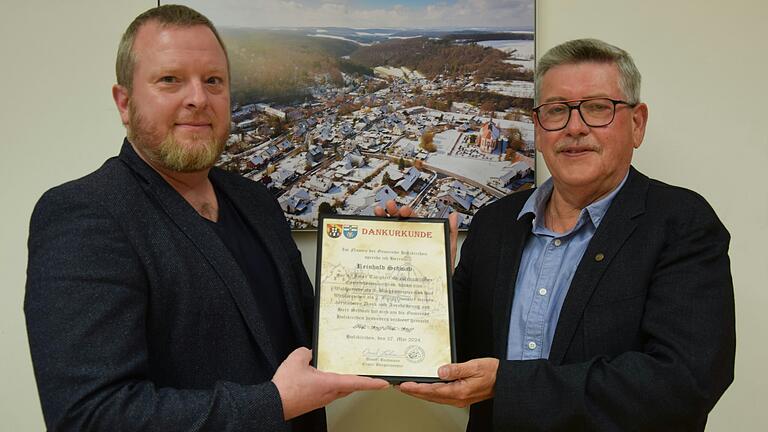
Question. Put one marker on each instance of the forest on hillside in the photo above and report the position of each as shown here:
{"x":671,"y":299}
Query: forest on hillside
{"x":281,"y":65}
{"x":435,"y":57}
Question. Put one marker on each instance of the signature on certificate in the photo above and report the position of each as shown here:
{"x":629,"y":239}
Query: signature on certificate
{"x":379,"y":353}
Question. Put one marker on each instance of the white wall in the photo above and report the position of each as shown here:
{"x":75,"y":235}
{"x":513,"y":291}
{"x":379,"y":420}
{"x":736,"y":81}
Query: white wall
{"x":702,"y":63}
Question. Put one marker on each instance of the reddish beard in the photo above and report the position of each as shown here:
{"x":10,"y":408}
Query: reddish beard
{"x":167,"y":152}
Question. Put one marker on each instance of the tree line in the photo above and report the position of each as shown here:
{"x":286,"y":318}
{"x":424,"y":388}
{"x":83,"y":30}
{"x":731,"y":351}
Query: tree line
{"x":436,"y":57}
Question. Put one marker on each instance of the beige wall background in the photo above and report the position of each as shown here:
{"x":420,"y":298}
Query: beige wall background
{"x":703,"y":64}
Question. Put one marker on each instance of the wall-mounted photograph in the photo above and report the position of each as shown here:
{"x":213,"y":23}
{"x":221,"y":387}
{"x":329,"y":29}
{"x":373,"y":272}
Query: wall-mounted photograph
{"x":339,"y":106}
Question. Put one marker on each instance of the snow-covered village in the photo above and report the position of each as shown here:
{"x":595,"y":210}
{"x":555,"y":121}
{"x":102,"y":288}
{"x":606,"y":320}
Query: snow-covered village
{"x":438,"y":142}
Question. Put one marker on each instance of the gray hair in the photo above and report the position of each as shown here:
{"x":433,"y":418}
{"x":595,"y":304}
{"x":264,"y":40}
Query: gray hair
{"x":166,"y":15}
{"x":595,"y":51}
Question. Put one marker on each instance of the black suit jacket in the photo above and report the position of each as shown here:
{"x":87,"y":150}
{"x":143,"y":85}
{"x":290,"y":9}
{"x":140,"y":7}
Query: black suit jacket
{"x":645,"y":339}
{"x":139,"y":317}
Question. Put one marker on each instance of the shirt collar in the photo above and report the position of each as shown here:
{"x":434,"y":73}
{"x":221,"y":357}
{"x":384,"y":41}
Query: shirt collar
{"x":537,"y":203}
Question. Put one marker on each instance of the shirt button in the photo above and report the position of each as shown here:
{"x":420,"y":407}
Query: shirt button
{"x":543,"y":291}
{"x":532,"y":345}
{"x":557,"y":242}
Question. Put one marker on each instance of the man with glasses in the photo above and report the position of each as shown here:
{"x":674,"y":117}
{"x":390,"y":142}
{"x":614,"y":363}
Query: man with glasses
{"x":606,"y":301}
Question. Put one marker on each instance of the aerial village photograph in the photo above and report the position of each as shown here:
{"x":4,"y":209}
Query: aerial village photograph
{"x":340,"y":106}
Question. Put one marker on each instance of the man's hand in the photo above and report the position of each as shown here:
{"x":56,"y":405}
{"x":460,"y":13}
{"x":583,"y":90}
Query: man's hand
{"x":303,"y":388}
{"x":474,"y":381}
{"x":392,"y":210}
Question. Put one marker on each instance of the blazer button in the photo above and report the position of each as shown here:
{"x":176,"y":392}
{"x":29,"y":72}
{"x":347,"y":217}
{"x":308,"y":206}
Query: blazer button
{"x":599,"y":257}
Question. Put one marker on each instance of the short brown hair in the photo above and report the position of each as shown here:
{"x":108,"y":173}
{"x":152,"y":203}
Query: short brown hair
{"x":166,"y":15}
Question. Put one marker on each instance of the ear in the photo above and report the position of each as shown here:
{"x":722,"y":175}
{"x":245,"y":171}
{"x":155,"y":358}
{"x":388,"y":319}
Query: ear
{"x":639,"y":121}
{"x":122,"y":96}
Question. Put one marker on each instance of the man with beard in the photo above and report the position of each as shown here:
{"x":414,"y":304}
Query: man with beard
{"x":164,"y":294}
{"x":608,"y":302}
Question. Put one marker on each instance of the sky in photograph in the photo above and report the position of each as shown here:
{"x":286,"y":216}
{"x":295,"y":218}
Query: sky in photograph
{"x":510,"y":14}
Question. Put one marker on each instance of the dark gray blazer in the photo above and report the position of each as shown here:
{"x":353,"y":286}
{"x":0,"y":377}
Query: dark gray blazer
{"x":645,"y":340}
{"x":138,"y":316}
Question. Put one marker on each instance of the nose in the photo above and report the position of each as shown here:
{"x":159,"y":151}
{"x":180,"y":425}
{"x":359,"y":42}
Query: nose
{"x":576,"y":125}
{"x":197,"y":96}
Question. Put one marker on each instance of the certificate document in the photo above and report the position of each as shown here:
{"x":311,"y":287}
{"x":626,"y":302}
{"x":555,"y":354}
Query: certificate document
{"x":383,"y":297}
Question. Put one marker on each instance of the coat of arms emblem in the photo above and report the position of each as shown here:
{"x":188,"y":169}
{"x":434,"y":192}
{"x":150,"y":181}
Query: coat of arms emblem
{"x":350,"y":231}
{"x":333,"y":230}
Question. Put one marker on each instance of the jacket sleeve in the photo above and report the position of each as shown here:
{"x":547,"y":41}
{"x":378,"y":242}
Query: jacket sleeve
{"x":85,"y":306}
{"x":684,"y":366}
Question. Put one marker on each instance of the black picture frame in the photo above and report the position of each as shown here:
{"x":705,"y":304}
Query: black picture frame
{"x":394,"y":379}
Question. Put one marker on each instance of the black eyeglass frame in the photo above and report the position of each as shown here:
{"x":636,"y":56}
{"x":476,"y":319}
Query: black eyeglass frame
{"x":577,"y":107}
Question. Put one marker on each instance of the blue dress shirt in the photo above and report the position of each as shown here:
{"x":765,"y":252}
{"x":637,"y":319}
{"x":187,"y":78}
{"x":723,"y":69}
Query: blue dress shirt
{"x":547,"y":266}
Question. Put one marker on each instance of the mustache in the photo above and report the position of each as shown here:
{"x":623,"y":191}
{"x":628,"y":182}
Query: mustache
{"x":579,"y":145}
{"x":200,"y":119}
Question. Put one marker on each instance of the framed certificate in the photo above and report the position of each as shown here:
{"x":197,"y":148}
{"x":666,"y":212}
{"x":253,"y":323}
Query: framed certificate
{"x":383,"y":304}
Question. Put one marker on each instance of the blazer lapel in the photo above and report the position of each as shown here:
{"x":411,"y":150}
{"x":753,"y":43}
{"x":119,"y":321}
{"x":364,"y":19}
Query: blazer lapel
{"x":617,"y":225}
{"x":207,"y":242}
{"x":266,"y":230}
{"x":512,"y":243}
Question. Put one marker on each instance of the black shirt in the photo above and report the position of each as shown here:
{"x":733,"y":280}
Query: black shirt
{"x":259,"y":269}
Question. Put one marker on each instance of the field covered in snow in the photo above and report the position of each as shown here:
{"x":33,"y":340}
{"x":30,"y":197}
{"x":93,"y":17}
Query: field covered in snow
{"x":522,"y":51}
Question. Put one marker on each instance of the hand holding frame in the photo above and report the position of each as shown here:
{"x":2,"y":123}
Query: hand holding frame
{"x":472,"y":382}
{"x":303,"y":388}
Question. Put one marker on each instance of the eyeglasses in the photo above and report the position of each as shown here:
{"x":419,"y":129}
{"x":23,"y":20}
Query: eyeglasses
{"x":598,"y":112}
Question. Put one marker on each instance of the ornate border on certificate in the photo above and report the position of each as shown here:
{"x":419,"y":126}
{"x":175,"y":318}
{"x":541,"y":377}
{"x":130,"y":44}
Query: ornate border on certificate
{"x":383,"y":298}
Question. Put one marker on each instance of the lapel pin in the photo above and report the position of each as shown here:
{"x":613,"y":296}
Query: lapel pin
{"x":599,"y":257}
